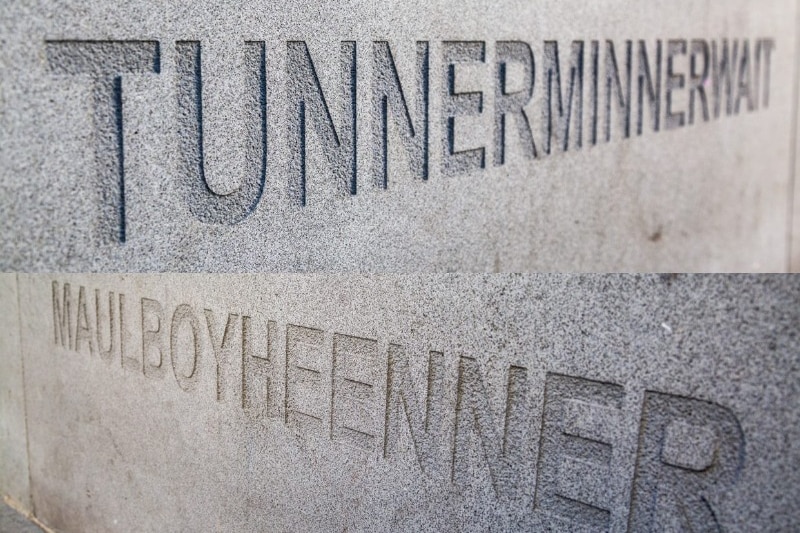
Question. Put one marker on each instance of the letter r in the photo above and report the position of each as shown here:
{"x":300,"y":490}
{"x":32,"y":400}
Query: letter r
{"x":689,"y":451}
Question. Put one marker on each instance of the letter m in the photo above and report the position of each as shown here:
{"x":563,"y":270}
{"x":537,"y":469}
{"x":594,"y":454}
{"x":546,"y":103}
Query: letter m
{"x":62,"y":317}
{"x":568,"y":101}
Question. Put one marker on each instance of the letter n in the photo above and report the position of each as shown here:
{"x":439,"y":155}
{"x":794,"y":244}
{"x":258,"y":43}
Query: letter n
{"x":307,"y":102}
{"x":503,"y":451}
{"x":388,"y":95}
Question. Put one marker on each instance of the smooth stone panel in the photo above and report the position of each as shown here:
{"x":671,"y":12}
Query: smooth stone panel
{"x":437,"y":403}
{"x":13,"y":433}
{"x":109,"y":112}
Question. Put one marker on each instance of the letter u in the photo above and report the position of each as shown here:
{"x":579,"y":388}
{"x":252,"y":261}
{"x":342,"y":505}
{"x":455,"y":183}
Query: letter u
{"x":205,"y":204}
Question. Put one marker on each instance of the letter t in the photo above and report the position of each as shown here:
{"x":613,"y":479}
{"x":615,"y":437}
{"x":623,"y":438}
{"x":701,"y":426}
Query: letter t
{"x":105,"y":62}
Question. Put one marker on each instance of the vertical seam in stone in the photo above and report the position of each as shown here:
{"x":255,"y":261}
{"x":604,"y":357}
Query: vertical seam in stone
{"x":32,"y":509}
{"x":793,"y":147}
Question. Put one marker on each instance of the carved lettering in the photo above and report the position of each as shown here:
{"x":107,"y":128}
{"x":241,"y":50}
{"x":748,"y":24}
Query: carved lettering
{"x":187,"y":372}
{"x":744,"y":88}
{"x":154,"y":343}
{"x":765,"y":47}
{"x":306,"y":101}
{"x":675,"y":82}
{"x":723,"y":64}
{"x":203,"y":202}
{"x":690,"y":452}
{"x":568,"y":101}
{"x":328,"y":387}
{"x":618,"y":91}
{"x":698,"y":78}
{"x":512,"y":103}
{"x":502,"y":450}
{"x":355,"y":416}
{"x":221,"y":348}
{"x":111,"y":352}
{"x":307,"y":380}
{"x":105,"y":62}
{"x":126,"y":361}
{"x":62,"y":316}
{"x":575,"y":451}
{"x":83,"y":328}
{"x":646,"y":82}
{"x":458,"y":104}
{"x":261,"y":370}
{"x":388,"y":95}
{"x":423,"y":413}
{"x":717,"y":74}
{"x":594,"y":90}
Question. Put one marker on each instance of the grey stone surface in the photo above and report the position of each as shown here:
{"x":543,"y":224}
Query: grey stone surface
{"x":78,"y":120}
{"x":11,"y":521}
{"x":13,"y":450}
{"x":439,"y":403}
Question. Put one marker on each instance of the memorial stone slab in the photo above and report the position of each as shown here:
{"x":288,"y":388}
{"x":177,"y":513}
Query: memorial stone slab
{"x":441,"y":403}
{"x":405,"y":137}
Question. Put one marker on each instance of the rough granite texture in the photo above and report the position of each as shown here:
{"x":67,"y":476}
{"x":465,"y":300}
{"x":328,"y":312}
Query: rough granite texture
{"x":412,"y":403}
{"x":707,"y":197}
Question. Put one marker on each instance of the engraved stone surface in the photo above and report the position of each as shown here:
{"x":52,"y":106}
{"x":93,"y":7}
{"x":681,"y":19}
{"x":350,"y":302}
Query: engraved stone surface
{"x":13,"y":450}
{"x":440,"y":403}
{"x":384,"y":136}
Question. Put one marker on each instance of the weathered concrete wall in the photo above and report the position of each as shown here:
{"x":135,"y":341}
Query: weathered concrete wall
{"x":250,"y":137}
{"x":434,"y":403}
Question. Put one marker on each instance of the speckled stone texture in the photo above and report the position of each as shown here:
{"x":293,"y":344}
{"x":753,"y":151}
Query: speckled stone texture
{"x":412,"y":403}
{"x":163,"y":136}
